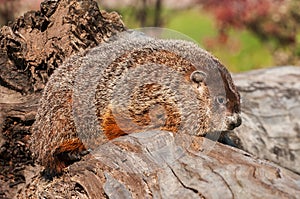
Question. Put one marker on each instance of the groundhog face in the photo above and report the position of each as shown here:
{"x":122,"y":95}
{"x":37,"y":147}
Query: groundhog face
{"x":223,"y":100}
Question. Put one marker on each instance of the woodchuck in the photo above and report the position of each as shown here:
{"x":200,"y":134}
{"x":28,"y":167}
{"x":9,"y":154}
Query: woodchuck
{"x":130,"y":85}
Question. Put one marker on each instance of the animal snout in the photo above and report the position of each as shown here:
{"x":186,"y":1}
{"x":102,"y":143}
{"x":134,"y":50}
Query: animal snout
{"x":233,"y":121}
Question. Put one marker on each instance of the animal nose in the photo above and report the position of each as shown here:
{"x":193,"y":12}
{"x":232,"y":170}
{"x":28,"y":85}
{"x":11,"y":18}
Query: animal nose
{"x":234,"y":121}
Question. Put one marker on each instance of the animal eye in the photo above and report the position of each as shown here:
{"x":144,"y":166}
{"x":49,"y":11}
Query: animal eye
{"x":198,"y":76}
{"x":221,"y":100}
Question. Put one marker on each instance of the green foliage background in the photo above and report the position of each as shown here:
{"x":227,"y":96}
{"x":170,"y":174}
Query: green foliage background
{"x":242,"y":51}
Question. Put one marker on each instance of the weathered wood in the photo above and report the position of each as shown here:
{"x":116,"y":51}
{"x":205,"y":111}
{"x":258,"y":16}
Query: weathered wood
{"x":155,"y":165}
{"x":271,"y":115}
{"x":17,"y":113}
{"x":38,"y":42}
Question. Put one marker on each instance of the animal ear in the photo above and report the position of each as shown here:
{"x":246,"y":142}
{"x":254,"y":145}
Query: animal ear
{"x":198,"y":76}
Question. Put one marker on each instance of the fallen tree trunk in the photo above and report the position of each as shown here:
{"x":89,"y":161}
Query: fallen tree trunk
{"x":271,"y":115}
{"x":155,"y":165}
{"x":204,"y":169}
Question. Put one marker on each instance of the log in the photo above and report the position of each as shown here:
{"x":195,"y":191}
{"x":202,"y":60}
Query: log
{"x":271,"y":115}
{"x":157,"y":164}
{"x":149,"y":164}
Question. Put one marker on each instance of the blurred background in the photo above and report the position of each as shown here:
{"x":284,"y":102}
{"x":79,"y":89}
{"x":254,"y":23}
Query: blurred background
{"x":243,"y":34}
